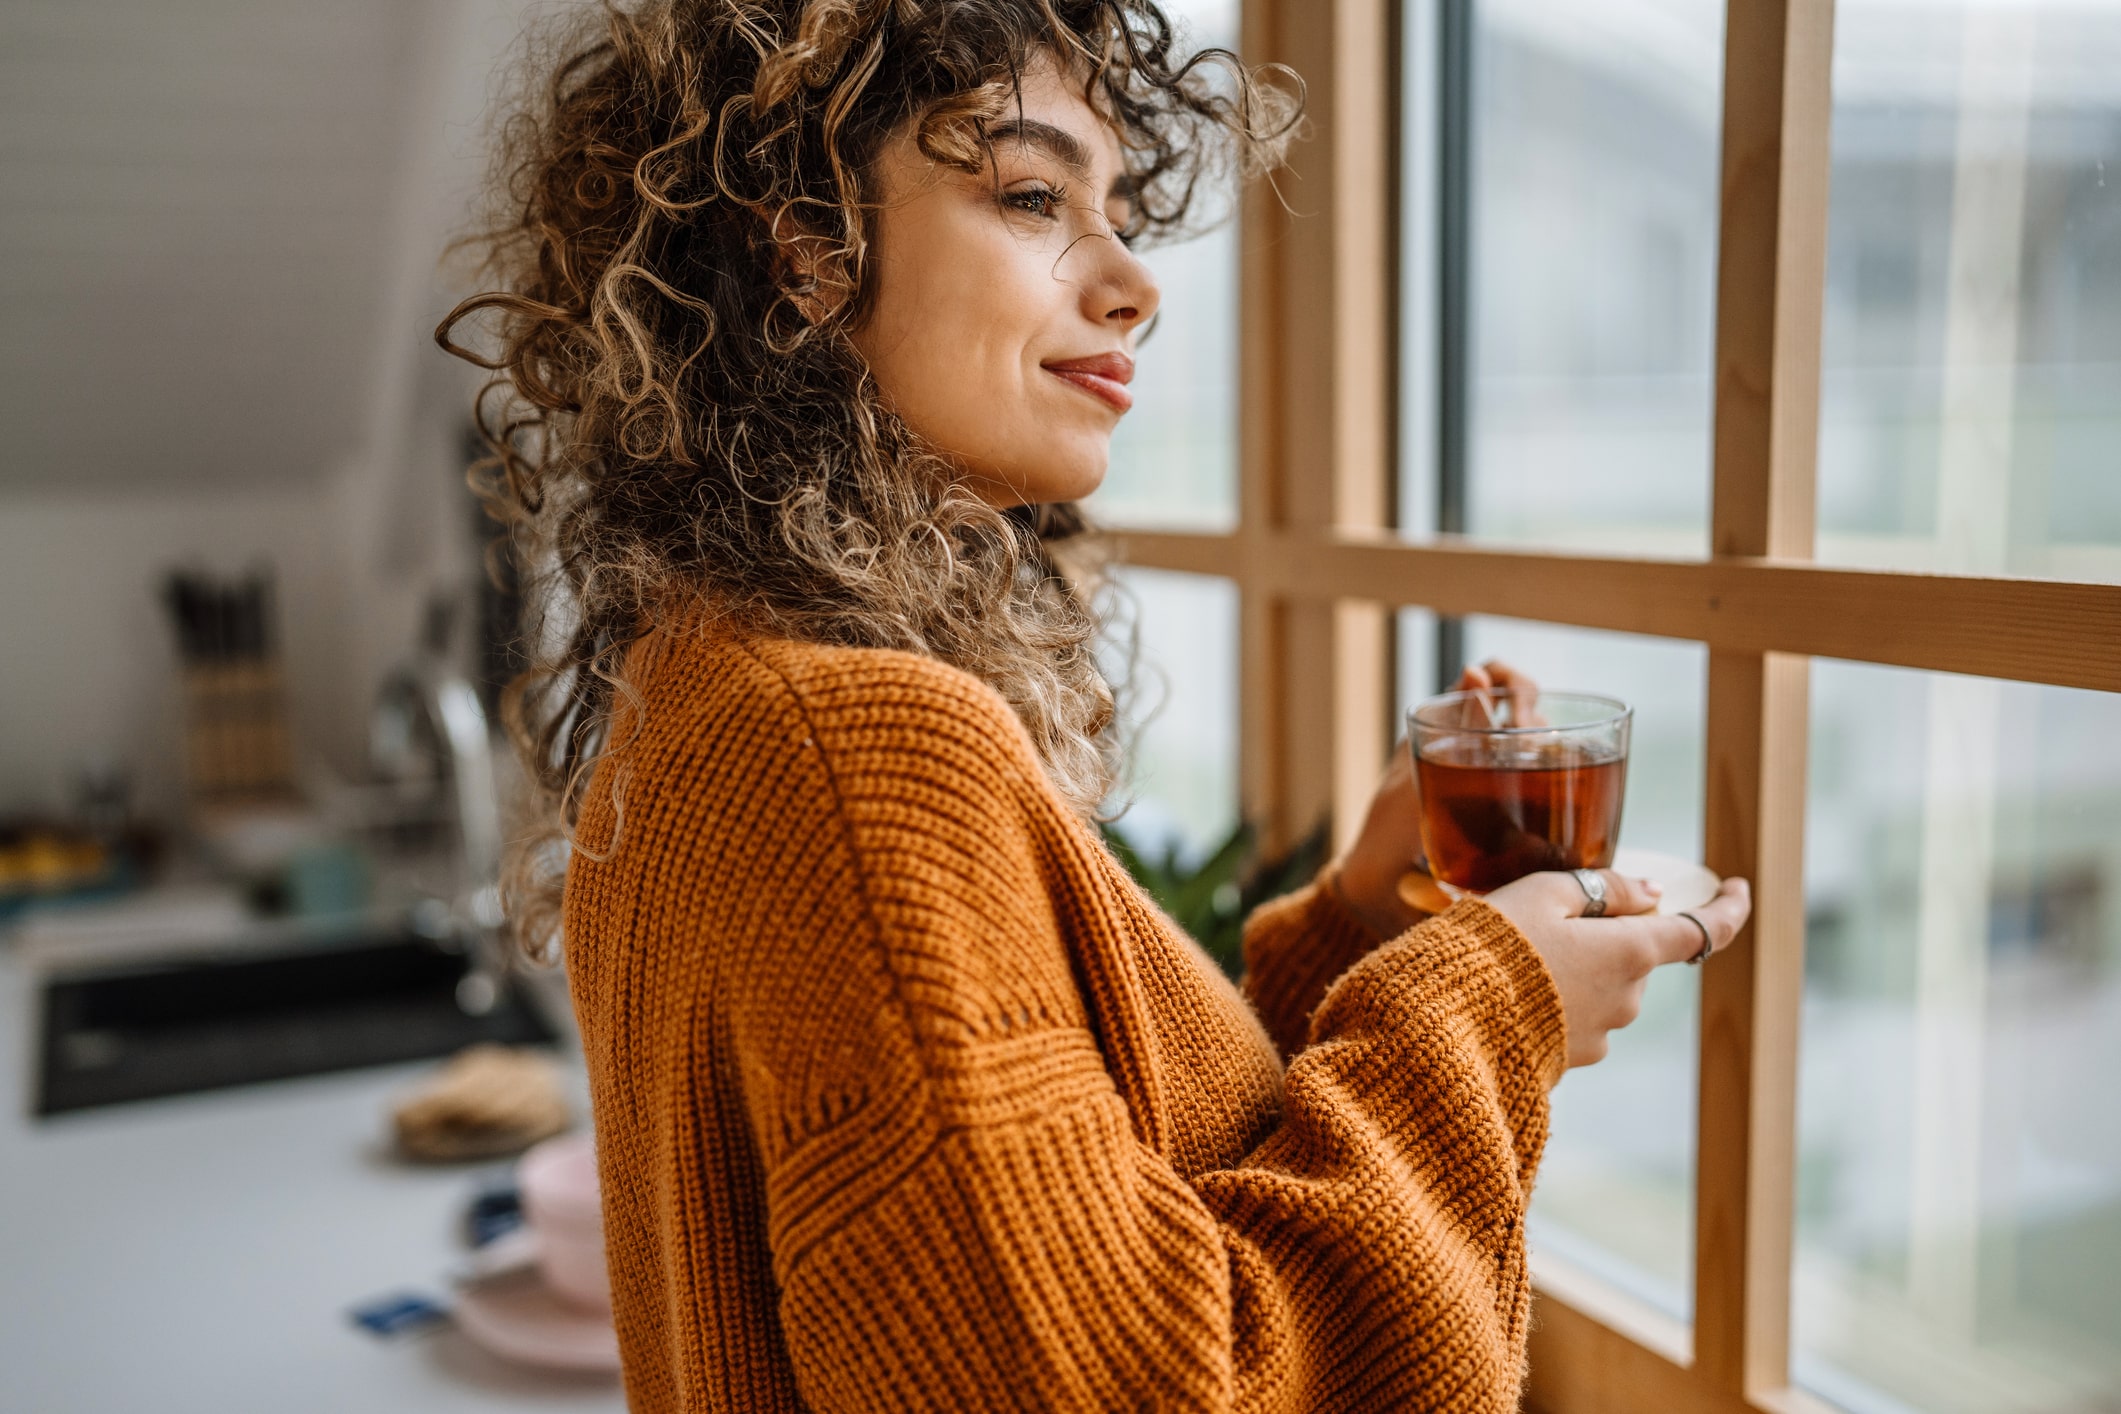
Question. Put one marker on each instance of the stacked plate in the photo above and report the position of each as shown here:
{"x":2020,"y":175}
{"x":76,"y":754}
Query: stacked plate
{"x":554,"y":1308}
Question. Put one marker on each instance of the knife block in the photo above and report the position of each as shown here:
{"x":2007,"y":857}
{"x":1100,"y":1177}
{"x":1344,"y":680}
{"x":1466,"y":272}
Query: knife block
{"x":236,"y":737}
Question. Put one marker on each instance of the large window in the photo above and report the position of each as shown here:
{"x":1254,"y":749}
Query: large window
{"x":1971,"y":413}
{"x":1575,"y":163}
{"x":1959,"y":1166}
{"x":1173,"y":645}
{"x":1757,"y":364}
{"x":1173,"y":641}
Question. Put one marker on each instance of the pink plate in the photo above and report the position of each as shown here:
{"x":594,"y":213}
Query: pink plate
{"x":517,"y":1317}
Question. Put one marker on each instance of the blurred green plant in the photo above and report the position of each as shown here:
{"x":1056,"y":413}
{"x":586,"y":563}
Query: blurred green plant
{"x":1212,"y":899}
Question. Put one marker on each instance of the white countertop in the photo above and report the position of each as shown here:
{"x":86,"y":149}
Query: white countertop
{"x":201,"y":1253}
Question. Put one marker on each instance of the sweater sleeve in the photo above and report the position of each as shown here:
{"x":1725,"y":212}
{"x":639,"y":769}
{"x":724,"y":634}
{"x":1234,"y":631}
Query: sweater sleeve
{"x":1296,"y":946}
{"x":964,"y":1213}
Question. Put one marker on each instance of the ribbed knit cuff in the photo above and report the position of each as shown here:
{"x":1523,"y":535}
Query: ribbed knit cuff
{"x":1336,"y":918}
{"x":1543,"y":1027}
{"x":1452,"y":950}
{"x":1295,"y":948}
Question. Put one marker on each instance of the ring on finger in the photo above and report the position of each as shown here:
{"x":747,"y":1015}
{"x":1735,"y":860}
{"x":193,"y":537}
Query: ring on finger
{"x":1708,"y":944}
{"x":1593,"y":885}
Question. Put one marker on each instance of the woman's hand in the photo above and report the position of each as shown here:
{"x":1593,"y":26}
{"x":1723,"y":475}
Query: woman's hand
{"x":1390,"y":841}
{"x":1601,"y":965}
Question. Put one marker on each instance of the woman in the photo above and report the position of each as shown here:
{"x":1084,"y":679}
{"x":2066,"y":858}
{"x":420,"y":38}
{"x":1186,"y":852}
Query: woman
{"x":814,"y":320}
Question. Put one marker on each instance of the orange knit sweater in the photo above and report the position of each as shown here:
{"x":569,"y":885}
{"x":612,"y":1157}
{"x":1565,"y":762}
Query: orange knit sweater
{"x":907,"y":1098}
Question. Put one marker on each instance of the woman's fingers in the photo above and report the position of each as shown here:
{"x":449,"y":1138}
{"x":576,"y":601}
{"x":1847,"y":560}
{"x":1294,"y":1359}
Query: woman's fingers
{"x":1559,"y":894}
{"x":1492,"y":683}
{"x":1518,"y":686}
{"x":1655,"y":938}
{"x":1726,"y":913}
{"x":1599,"y":965}
{"x":1624,"y":894}
{"x":1721,"y":917}
{"x":1480,"y":711}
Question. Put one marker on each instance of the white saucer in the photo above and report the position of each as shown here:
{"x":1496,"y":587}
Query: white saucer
{"x":517,"y":1317}
{"x":1686,"y":884}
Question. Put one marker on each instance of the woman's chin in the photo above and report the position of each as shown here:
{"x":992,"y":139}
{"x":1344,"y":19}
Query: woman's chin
{"x":1047,"y":483}
{"x":1080,"y":485}
{"x":1069,"y":488}
{"x":1078,"y":472}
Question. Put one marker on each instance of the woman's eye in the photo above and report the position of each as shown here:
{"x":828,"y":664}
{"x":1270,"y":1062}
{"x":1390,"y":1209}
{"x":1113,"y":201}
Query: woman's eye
{"x":1039,"y":201}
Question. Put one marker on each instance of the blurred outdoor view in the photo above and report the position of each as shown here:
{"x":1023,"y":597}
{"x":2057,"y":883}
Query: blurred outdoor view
{"x":1174,"y":459}
{"x":1959,"y":1228}
{"x":1174,"y":464}
{"x":1959,"y":1185}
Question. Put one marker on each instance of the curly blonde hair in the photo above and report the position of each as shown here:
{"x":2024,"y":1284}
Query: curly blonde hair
{"x":675,"y":427}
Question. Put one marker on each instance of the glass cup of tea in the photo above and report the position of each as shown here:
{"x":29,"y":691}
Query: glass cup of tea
{"x":1509,"y":790}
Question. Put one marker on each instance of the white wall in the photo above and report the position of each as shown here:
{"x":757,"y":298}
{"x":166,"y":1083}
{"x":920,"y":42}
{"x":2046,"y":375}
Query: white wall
{"x":88,"y":665}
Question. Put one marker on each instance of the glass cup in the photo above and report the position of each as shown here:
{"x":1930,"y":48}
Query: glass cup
{"x":1508,"y":791}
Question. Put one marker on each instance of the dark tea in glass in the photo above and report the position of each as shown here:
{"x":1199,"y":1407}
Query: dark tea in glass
{"x":1509,"y":791}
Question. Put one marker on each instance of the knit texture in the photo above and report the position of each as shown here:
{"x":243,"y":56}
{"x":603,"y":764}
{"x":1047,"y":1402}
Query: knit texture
{"x":908,"y":1098}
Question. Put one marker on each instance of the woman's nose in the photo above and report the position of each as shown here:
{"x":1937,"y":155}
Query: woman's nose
{"x":1127,"y":294}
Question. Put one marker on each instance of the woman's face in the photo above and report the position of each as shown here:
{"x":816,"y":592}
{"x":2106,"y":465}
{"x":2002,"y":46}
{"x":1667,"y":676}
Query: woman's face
{"x":1004,"y":308}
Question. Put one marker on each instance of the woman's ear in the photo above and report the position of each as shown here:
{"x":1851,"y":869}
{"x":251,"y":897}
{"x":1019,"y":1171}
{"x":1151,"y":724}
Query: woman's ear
{"x":815,"y":273}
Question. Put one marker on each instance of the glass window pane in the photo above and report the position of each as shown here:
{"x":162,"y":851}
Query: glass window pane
{"x":1959,"y":1169}
{"x":1615,"y":1193}
{"x":1174,"y":458}
{"x":1592,"y":254}
{"x":1971,"y":394}
{"x":1180,"y":692}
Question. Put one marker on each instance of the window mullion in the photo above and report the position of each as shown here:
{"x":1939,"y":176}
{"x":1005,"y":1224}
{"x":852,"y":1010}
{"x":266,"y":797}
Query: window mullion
{"x":1770,"y":280}
{"x":1317,"y":392}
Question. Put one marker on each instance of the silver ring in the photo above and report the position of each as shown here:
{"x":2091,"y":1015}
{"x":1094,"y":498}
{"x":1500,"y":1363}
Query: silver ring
{"x":1593,"y":885}
{"x":1708,"y":944}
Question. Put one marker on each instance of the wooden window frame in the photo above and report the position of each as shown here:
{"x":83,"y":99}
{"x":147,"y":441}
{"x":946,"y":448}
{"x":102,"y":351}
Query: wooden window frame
{"x":1318,"y":572}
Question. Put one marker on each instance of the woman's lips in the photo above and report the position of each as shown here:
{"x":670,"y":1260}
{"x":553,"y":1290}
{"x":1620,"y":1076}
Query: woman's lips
{"x":1104,"y":376}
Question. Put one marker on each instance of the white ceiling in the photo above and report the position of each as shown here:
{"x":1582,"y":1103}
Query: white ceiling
{"x":220,"y":219}
{"x":206,"y":213}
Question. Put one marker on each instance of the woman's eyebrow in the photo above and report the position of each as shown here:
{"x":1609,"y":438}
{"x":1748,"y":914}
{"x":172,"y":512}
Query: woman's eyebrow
{"x":1060,"y":144}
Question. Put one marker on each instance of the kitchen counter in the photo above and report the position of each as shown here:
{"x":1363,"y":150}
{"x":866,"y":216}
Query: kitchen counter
{"x":201,"y":1253}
